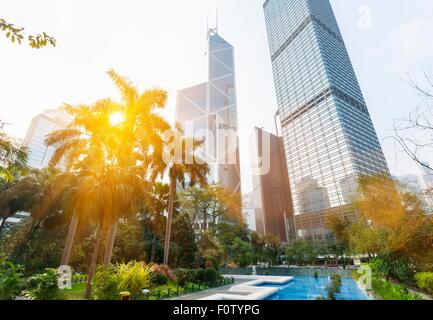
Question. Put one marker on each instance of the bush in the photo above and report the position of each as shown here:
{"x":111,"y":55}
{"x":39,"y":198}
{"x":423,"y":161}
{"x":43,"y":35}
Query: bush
{"x":44,"y":286}
{"x":166,"y":271}
{"x":11,"y":280}
{"x":160,"y":279}
{"x":199,"y":275}
{"x":390,"y":266}
{"x":390,"y":291}
{"x":424,"y":280}
{"x":106,"y":284}
{"x":133,"y":277}
{"x":210,"y":275}
{"x":184,"y":276}
{"x":212,"y":262}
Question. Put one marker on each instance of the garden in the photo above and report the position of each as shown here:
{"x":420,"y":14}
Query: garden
{"x":131,"y":281}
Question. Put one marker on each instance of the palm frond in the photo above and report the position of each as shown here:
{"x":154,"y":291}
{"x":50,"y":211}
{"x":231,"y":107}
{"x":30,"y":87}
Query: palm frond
{"x":124,"y":85}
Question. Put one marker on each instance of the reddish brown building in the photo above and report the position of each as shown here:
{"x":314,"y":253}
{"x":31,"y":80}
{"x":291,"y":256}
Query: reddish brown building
{"x":273,"y":204}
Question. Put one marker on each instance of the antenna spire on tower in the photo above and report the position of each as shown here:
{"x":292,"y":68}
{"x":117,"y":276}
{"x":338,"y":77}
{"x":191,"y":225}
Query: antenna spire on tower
{"x":216,"y":22}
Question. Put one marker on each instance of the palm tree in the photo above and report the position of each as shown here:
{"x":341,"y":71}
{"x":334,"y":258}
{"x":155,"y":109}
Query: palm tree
{"x":140,"y":133}
{"x":13,"y":157}
{"x":152,"y":216}
{"x":103,"y":194}
{"x":41,"y":193}
{"x":7,"y":207}
{"x":182,"y":163}
{"x":111,"y":159}
{"x":82,"y":146}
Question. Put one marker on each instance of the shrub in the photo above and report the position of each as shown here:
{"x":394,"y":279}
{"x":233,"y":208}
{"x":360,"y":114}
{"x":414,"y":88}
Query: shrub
{"x":106,"y":283}
{"x":390,"y":266}
{"x":210,"y":275}
{"x":212,"y":262}
{"x":390,"y":291}
{"x":184,"y":276}
{"x":135,"y":276}
{"x":166,"y":271}
{"x":160,"y":279}
{"x":11,"y":280}
{"x":199,"y":275}
{"x":424,"y":280}
{"x":43,"y":286}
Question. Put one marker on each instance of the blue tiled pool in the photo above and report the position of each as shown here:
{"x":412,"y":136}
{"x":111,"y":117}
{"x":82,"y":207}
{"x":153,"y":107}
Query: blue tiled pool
{"x":310,"y":288}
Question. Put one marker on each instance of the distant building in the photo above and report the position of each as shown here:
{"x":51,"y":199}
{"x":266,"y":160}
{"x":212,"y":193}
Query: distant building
{"x":273,"y":205}
{"x":208,"y":111}
{"x":328,"y":134}
{"x":42,"y":125}
{"x":415,"y":184}
{"x":249,"y":211}
{"x":426,"y":183}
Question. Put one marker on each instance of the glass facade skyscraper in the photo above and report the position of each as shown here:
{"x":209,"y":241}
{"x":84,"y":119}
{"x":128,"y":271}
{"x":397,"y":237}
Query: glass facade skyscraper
{"x":328,"y":134}
{"x":43,"y":124}
{"x":208,"y":111}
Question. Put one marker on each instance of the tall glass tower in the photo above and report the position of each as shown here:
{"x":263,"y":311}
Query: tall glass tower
{"x":328,"y":134}
{"x":208,"y":111}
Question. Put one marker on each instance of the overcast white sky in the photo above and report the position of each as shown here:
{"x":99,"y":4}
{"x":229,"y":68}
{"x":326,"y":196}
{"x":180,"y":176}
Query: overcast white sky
{"x":162,"y":43}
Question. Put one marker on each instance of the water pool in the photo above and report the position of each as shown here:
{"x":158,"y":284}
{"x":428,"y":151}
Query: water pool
{"x":311,"y":288}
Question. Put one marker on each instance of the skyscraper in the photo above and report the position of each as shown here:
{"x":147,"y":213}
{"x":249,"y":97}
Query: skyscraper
{"x":328,"y":134}
{"x":272,"y":202}
{"x":42,"y":125}
{"x":208,"y":111}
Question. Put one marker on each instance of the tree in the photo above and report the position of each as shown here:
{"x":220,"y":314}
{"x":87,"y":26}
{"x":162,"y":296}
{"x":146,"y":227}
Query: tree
{"x":340,"y":228}
{"x":225,"y":206}
{"x":140,"y":133}
{"x":104,"y":190}
{"x":300,"y":253}
{"x":391,"y":222}
{"x":17,"y":34}
{"x":180,"y":159}
{"x":183,"y":240}
{"x":381,"y":201}
{"x":130,"y":242}
{"x":415,"y":133}
{"x":13,"y":157}
{"x":243,"y":252}
{"x":152,"y":216}
{"x":363,"y":239}
{"x":226,"y":231}
{"x":211,"y":205}
{"x":271,"y":250}
{"x":81,"y":147}
{"x":41,"y":194}
{"x":257,"y":244}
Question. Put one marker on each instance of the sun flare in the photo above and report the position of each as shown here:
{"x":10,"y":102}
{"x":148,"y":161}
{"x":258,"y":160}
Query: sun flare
{"x":117,"y":118}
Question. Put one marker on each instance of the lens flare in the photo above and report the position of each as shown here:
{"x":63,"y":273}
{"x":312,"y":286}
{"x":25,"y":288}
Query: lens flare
{"x":117,"y":118}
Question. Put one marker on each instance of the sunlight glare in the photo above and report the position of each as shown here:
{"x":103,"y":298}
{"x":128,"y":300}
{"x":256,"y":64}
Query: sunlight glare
{"x":116,"y":118}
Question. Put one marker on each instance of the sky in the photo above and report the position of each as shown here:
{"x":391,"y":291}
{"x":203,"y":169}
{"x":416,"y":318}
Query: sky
{"x":162,"y":44}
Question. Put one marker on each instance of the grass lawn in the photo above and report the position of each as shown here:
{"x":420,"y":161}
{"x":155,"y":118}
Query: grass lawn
{"x":78,"y":290}
{"x":76,"y":293}
{"x":158,"y":292}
